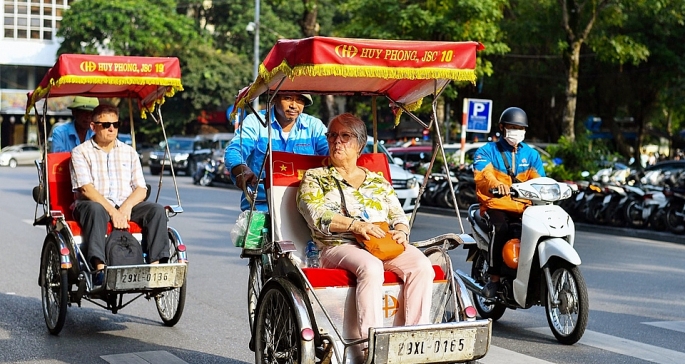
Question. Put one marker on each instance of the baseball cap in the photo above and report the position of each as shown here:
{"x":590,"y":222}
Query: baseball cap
{"x":308,"y":97}
{"x":84,"y":103}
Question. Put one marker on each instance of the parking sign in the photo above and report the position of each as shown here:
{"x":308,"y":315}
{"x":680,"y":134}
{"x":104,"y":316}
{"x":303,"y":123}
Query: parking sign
{"x":478,"y":115}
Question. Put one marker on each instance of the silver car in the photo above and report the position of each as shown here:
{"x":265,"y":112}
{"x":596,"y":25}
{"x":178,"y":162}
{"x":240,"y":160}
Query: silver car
{"x":19,"y":154}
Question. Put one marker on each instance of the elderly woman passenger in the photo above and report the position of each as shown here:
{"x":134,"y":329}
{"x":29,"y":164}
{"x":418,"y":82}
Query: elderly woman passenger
{"x":369,"y":198}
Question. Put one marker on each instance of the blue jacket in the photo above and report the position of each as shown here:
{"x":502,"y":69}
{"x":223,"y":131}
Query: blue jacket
{"x":306,"y":137}
{"x":489,"y":171}
{"x":65,"y":138}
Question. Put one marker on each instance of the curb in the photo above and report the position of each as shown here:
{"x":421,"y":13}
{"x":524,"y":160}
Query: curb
{"x":580,"y":226}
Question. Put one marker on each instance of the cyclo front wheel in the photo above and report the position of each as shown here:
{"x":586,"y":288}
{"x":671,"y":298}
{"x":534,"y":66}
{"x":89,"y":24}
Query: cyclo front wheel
{"x":254,"y":287}
{"x":277,"y":330}
{"x":54,"y":286}
{"x":170,"y":303}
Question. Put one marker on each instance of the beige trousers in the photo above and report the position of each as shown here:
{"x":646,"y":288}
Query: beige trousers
{"x":413,"y":268}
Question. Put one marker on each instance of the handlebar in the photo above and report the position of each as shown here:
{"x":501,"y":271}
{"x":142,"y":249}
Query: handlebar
{"x":495,"y":192}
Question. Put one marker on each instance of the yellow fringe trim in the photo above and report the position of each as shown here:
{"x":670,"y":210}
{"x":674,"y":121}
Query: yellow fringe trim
{"x":173,"y":85}
{"x":265,"y":76}
{"x":406,"y":73}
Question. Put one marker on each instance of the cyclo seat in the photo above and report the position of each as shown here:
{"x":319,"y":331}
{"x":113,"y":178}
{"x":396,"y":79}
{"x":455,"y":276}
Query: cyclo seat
{"x":288,"y":170}
{"x":62,"y":196}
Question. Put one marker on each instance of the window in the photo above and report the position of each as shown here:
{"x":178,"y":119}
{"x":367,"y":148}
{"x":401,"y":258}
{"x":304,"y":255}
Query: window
{"x":21,"y":77}
{"x":34,"y":19}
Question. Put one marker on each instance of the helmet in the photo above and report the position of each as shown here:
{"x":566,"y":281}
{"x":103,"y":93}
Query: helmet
{"x":514,"y":116}
{"x":510,"y":253}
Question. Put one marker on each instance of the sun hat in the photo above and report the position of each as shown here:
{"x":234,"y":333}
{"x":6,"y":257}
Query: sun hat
{"x":84,"y":103}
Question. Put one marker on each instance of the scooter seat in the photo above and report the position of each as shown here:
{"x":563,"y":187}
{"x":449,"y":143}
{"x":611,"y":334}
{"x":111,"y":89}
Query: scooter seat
{"x":482,"y":222}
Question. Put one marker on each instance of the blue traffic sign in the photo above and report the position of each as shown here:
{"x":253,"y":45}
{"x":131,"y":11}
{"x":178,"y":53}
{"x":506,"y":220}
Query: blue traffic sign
{"x":479,"y":116}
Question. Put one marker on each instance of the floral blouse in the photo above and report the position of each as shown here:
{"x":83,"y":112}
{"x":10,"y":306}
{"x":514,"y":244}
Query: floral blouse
{"x":318,"y":200}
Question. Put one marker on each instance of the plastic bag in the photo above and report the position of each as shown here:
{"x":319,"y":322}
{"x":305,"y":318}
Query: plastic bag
{"x":238,"y":230}
{"x":249,"y":238}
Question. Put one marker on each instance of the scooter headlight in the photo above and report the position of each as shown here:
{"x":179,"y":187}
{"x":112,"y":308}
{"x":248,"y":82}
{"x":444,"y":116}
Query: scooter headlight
{"x":548,"y":192}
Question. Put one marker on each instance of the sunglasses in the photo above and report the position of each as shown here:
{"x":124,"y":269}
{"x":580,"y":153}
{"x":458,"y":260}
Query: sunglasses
{"x":344,"y":137}
{"x":108,"y":124}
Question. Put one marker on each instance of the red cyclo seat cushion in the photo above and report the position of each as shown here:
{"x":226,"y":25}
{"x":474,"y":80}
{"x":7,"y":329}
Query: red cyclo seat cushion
{"x":76,"y":228}
{"x":322,"y":277}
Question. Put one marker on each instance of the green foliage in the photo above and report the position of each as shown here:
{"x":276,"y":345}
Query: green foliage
{"x":583,"y":154}
{"x":126,"y":27}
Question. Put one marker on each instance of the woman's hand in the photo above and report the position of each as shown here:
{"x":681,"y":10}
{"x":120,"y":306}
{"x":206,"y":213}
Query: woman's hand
{"x":366,"y":229}
{"x":400,"y":236}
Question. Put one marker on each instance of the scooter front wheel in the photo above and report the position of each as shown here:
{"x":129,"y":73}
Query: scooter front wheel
{"x":487,"y":308}
{"x":567,"y":306}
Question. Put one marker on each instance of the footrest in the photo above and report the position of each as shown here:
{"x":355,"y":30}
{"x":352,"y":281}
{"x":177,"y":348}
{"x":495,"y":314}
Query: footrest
{"x":145,"y":276}
{"x":441,"y":343}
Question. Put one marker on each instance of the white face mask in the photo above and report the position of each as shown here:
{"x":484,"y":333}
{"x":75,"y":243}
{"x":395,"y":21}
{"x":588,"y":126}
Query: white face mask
{"x":514,"y":136}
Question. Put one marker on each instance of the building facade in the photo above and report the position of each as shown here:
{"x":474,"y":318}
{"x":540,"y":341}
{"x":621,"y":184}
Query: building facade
{"x":28,"y":48}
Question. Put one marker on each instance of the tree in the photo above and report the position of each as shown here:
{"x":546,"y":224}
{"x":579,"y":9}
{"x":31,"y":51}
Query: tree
{"x":211,"y":78}
{"x":437,"y":20}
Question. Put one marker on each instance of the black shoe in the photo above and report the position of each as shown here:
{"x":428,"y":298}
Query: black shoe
{"x":490,"y":290}
{"x":98,"y":278}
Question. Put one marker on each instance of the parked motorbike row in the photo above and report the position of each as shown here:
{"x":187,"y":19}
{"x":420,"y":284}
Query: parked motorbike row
{"x":437,"y":192}
{"x":210,"y":171}
{"x":659,"y":207}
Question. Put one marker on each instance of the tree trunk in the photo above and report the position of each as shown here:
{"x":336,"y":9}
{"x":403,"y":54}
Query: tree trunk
{"x":309,"y":25}
{"x":568,"y":124}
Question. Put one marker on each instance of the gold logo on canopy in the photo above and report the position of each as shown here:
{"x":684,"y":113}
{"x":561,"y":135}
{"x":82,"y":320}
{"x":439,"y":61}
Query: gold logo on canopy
{"x":346,"y":51}
{"x":88,"y":66}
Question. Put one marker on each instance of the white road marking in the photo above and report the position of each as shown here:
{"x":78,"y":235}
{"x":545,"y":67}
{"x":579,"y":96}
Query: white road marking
{"x":497,"y":355}
{"x":145,"y":357}
{"x":669,"y":325}
{"x":625,"y":347}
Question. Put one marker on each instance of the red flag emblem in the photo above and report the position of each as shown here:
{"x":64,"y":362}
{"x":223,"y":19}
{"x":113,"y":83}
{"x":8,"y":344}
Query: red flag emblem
{"x":284,"y":168}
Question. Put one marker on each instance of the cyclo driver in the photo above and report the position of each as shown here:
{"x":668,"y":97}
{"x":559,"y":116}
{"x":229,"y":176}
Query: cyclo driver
{"x":496,"y":166}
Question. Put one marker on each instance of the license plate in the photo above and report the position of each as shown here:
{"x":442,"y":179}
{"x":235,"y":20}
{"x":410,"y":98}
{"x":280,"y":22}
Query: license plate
{"x":166,"y":163}
{"x":140,"y":277}
{"x":431,"y":346}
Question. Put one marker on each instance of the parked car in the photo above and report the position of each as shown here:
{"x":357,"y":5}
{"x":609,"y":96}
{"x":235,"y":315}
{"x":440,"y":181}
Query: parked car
{"x":405,"y":184}
{"x":413,"y":157}
{"x":143,"y":148}
{"x":19,"y":154}
{"x":186,"y":153}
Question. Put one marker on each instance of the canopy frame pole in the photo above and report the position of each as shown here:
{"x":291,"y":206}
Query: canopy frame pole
{"x":374,"y":114}
{"x":160,"y":121}
{"x":130,"y":118}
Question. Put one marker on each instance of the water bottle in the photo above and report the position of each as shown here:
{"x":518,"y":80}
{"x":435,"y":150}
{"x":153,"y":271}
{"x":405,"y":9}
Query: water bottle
{"x":311,"y":255}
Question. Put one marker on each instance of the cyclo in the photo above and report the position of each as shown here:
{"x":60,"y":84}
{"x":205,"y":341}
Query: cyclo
{"x":65,"y":277}
{"x":307,"y":315}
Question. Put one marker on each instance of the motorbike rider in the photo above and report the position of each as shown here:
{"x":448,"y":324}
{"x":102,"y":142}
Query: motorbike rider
{"x":496,"y":166}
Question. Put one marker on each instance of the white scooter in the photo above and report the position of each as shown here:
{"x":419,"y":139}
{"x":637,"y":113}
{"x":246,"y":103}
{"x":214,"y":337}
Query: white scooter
{"x":545,"y":270}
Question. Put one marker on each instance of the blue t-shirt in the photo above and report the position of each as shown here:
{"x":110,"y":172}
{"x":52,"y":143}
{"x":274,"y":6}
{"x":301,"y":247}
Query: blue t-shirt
{"x":250,"y":142}
{"x":65,"y":138}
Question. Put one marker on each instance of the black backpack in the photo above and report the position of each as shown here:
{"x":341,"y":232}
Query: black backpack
{"x":122,"y":248}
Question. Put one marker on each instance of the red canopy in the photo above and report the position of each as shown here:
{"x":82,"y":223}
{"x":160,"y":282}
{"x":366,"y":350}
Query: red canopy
{"x":404,"y":71}
{"x":147,"y":79}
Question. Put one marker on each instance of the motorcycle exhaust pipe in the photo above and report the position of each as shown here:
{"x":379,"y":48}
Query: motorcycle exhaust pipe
{"x":470,"y":284}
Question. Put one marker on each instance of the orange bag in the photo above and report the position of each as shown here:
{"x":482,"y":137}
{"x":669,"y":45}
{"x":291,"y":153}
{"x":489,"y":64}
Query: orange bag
{"x":385,"y":248}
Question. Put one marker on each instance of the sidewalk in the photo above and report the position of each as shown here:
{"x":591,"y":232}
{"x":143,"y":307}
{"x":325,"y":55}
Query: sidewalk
{"x":664,"y":236}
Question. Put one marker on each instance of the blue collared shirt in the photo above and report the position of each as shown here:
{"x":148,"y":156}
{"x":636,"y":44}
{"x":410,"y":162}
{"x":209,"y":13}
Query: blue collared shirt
{"x":249,"y":146}
{"x":65,"y":138}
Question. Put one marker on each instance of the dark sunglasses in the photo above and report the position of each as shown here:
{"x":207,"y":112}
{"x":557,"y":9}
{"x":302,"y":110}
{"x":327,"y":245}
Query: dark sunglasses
{"x":344,"y":137}
{"x":108,"y":124}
